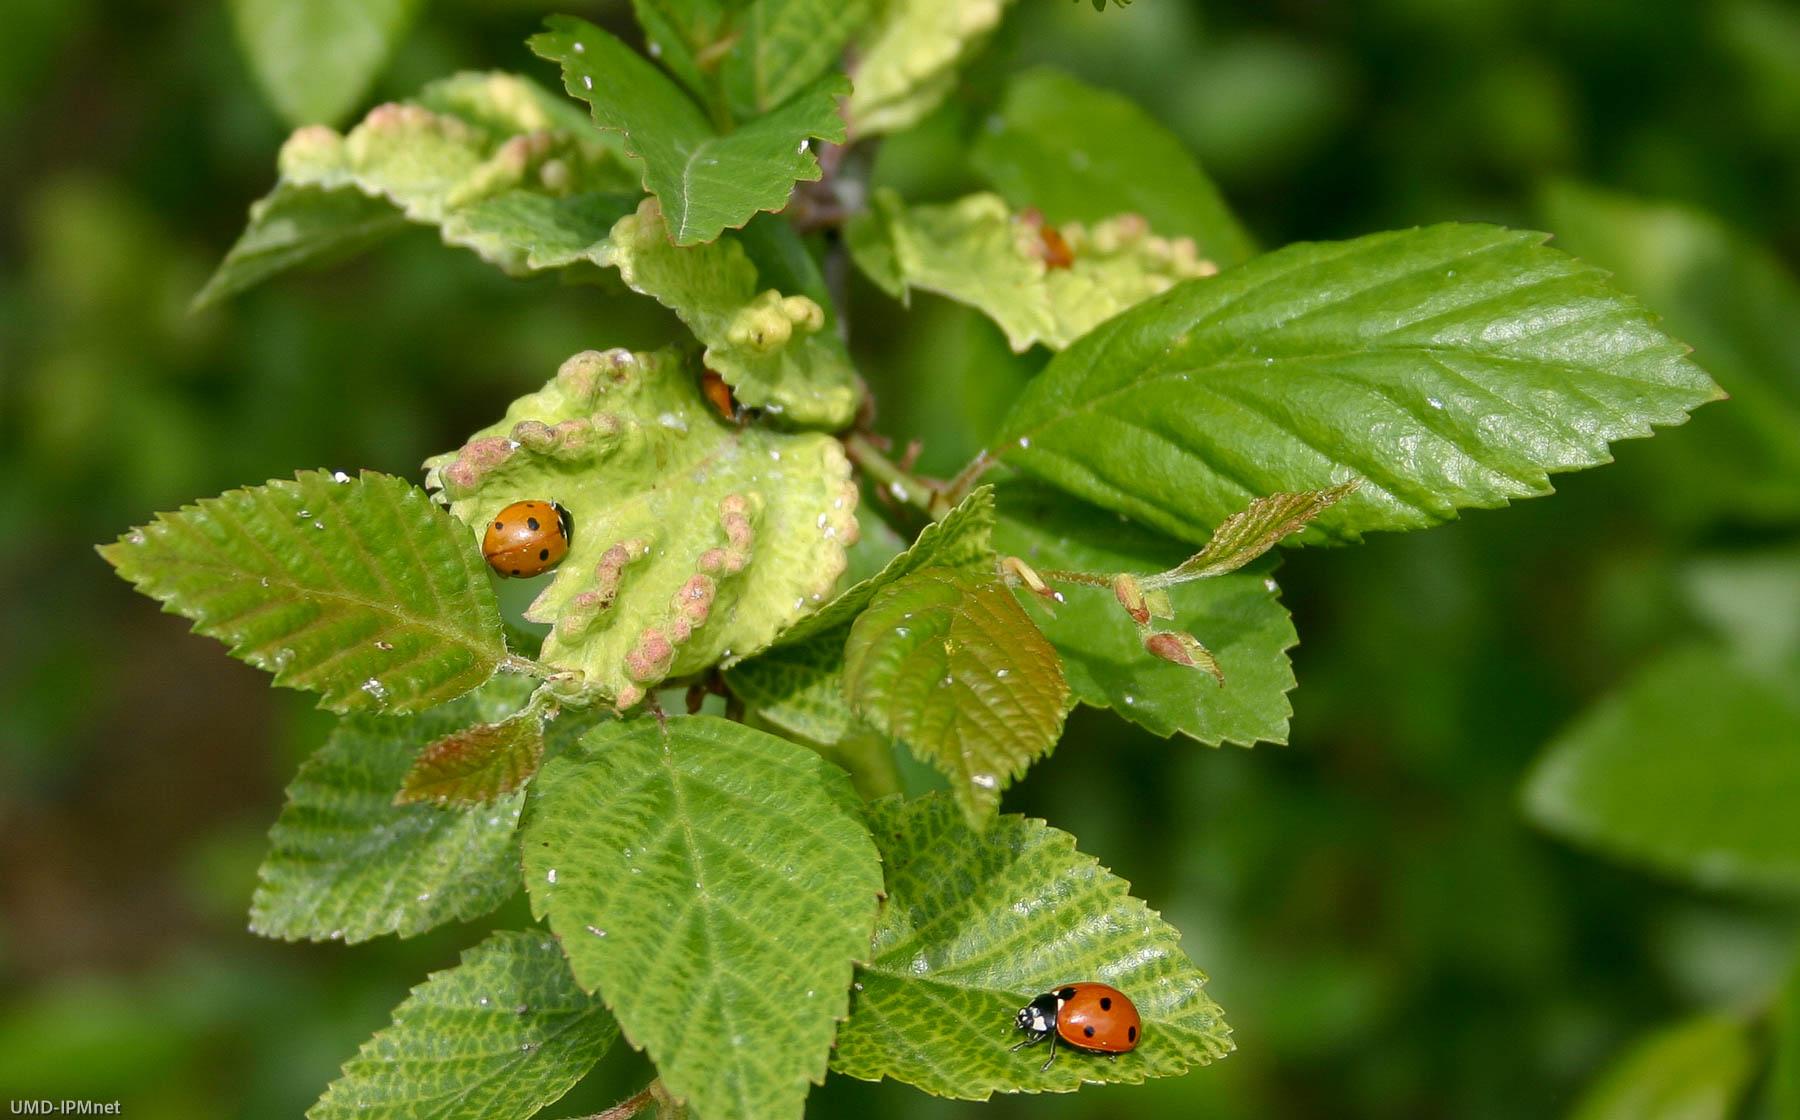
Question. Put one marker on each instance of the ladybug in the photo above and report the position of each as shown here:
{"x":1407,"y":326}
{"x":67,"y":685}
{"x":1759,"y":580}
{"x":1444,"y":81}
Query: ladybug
{"x":718,"y":394}
{"x":527,"y":538}
{"x":1086,"y":1016}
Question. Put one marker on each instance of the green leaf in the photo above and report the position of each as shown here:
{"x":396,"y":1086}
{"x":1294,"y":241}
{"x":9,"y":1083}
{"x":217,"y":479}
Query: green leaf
{"x":356,"y":588}
{"x":963,"y":539}
{"x":716,"y":902}
{"x":772,"y":349}
{"x":1752,"y":599}
{"x":784,"y":45}
{"x":695,"y":541}
{"x":678,"y":32}
{"x":1695,"y":1070}
{"x":978,"y":252}
{"x":706,"y":180}
{"x":799,"y":687}
{"x":910,"y":58}
{"x":1249,"y":533}
{"x":946,"y":661}
{"x":498,"y":1037}
{"x":1736,"y":302}
{"x":1785,"y":1079}
{"x":498,"y":164}
{"x":1450,"y":366}
{"x":297,"y":226}
{"x":345,"y":863}
{"x":1700,"y":788}
{"x":1083,"y":154}
{"x":315,"y":60}
{"x":799,"y":684}
{"x":477,"y":764}
{"x":977,"y":924}
{"x":1239,"y":617}
{"x":752,"y":56}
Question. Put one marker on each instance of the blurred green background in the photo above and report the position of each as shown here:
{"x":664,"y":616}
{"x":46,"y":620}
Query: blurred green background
{"x":1389,"y":935}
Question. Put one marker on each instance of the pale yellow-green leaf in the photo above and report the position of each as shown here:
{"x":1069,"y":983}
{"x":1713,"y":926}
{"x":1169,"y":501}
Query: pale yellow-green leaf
{"x":499,"y":164}
{"x":772,"y":348}
{"x":979,"y":251}
{"x":910,"y":57}
{"x":695,"y":541}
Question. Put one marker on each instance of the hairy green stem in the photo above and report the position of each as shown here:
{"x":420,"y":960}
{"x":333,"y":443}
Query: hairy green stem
{"x":1089,"y":579}
{"x":514,"y":663}
{"x":958,"y":488}
{"x":652,"y":1094}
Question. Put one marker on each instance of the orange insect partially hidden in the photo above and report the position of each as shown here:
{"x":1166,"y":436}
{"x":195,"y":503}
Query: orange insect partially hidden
{"x":527,"y":538}
{"x":718,"y":394}
{"x":1056,"y":251}
{"x":1052,"y":247}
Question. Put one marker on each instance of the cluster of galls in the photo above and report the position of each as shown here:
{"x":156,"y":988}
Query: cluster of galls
{"x":471,"y":163}
{"x":1163,"y":260}
{"x":673,"y":514}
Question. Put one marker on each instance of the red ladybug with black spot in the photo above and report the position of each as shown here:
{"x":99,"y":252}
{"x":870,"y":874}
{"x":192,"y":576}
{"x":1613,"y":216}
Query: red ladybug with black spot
{"x":527,"y":538}
{"x":1087,"y":1016}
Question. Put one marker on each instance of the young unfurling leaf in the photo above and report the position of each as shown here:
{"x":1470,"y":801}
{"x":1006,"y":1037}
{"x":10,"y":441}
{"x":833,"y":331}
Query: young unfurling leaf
{"x":1249,"y":533}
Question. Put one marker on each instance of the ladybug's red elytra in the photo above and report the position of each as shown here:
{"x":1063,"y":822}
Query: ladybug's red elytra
{"x":1087,"y":1016}
{"x":527,"y":538}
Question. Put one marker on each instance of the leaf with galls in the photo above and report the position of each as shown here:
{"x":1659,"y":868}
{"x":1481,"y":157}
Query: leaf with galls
{"x":499,"y":164}
{"x":694,"y":541}
{"x":910,"y":56}
{"x":771,"y":347}
{"x":1038,"y":282}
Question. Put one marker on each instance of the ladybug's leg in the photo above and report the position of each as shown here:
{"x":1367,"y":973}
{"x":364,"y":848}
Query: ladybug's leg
{"x":1033,"y":1040}
{"x":1112,"y":1057}
{"x":1052,"y":1056}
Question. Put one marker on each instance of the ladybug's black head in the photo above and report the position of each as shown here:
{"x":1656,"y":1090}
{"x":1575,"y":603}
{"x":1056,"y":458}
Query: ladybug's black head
{"x":1039,"y":1015}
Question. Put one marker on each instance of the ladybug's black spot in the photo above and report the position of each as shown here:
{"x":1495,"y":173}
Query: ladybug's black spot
{"x":515,"y":571}
{"x":1066,"y":993}
{"x":543,"y":554}
{"x":1131,"y":1034}
{"x":531,"y":523}
{"x":1106,"y":1003}
{"x":499,"y":524}
{"x":1088,"y":1031}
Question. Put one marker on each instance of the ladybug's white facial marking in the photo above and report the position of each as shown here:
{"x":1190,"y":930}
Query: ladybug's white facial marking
{"x":1035,"y":1018}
